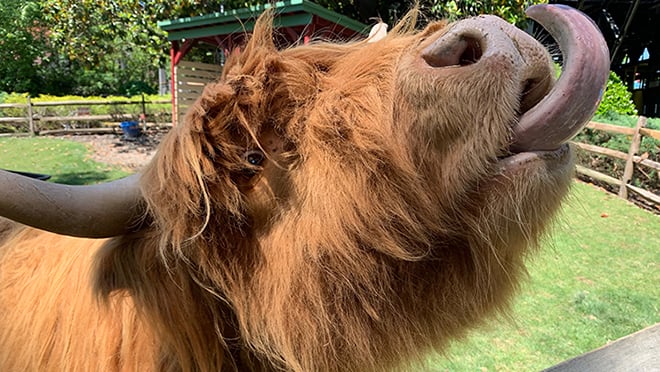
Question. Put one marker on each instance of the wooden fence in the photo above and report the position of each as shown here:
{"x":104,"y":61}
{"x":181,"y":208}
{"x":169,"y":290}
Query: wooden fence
{"x":192,"y":87}
{"x":81,"y":114}
{"x":632,"y":159}
{"x":190,"y":79}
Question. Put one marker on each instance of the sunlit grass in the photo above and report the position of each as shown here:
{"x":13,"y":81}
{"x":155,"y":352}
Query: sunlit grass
{"x":595,"y":280}
{"x":66,"y":161}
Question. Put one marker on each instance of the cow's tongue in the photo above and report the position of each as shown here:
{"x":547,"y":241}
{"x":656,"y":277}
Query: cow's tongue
{"x":577,"y":93}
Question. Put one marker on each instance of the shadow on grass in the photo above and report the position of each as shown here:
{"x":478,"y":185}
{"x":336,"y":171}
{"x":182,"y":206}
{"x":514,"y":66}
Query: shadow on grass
{"x":81,"y":178}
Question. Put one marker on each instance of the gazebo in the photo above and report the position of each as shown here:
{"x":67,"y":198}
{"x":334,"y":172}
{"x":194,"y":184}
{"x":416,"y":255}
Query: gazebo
{"x":297,"y":21}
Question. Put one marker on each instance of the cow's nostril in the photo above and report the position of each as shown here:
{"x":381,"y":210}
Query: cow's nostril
{"x":464,"y":51}
{"x":472,"y":52}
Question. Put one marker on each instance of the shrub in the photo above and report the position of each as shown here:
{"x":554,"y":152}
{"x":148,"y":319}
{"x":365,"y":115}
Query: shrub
{"x":653,"y":123}
{"x":13,"y":98}
{"x":617,"y":99}
{"x":7,"y":129}
{"x":160,"y":112}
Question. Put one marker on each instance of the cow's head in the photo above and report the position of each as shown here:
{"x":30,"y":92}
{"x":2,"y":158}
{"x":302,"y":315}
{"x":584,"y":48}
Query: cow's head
{"x":349,"y":207}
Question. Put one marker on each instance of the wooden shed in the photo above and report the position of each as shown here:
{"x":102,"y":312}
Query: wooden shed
{"x":296,"y":21}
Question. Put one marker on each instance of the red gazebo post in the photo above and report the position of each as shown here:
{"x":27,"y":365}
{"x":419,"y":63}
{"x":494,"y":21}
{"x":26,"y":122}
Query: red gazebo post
{"x":299,"y":20}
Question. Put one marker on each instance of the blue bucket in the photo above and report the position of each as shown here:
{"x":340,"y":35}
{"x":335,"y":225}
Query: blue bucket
{"x":130,"y":129}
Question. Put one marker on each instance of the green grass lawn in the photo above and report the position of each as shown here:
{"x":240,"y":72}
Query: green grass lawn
{"x":595,"y":280}
{"x":66,"y":161}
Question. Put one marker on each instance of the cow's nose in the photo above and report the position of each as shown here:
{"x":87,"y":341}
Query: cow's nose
{"x":456,"y":49}
{"x":468,"y":41}
{"x":489,"y":38}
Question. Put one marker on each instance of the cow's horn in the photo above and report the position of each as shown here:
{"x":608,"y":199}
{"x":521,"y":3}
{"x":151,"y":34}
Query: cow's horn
{"x":96,"y":211}
{"x":577,"y":93}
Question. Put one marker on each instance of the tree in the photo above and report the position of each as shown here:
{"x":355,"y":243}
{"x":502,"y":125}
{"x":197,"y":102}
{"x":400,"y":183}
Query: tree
{"x":87,"y":30}
{"x":116,"y":46}
{"x":510,"y":10}
{"x":22,"y":45}
{"x":390,"y":11}
{"x":112,"y":46}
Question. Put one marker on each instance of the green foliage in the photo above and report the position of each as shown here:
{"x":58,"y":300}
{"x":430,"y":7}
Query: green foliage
{"x":621,"y":142}
{"x":391,"y":11}
{"x":510,"y":10}
{"x":134,"y":88}
{"x":618,"y":108}
{"x":90,"y":31}
{"x":90,"y":47}
{"x":653,"y":123}
{"x":22,"y":45}
{"x":617,"y":99}
{"x":86,"y":31}
{"x":4,"y":128}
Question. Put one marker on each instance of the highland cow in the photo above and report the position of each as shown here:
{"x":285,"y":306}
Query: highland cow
{"x":328,"y":207}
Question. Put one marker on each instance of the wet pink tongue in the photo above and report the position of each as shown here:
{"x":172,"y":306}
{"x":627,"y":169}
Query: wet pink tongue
{"x":577,"y":93}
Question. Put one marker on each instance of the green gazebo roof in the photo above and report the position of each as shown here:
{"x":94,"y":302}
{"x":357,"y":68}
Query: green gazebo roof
{"x":288,"y":14}
{"x":296,"y":21}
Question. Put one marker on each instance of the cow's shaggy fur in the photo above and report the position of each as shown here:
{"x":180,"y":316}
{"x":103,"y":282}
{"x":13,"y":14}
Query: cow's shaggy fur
{"x":378,"y":227}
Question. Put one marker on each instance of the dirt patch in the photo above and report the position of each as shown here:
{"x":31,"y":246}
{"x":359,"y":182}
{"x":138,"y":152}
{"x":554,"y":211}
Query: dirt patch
{"x":131,"y":154}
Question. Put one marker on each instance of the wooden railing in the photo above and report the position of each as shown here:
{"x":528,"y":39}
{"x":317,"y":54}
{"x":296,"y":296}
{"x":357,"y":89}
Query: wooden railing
{"x":632,"y":159}
{"x":635,"y":352}
{"x":83,"y":114}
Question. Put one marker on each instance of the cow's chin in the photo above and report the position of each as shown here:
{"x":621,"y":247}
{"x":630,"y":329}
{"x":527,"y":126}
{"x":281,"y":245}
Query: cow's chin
{"x":559,"y":160}
{"x":528,"y":187}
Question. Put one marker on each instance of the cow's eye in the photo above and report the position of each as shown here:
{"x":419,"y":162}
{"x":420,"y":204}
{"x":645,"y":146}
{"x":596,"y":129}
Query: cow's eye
{"x":254,"y":157}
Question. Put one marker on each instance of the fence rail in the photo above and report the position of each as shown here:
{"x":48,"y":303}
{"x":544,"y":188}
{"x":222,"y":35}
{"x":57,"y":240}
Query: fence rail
{"x":83,"y":114}
{"x":632,"y":159}
{"x":624,"y":185}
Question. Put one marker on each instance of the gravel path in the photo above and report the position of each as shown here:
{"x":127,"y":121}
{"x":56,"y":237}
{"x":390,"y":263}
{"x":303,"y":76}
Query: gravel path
{"x":129,"y":154}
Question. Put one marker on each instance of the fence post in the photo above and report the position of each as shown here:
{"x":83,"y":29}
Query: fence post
{"x":630,"y":164}
{"x":30,"y":116}
{"x":143,"y":115}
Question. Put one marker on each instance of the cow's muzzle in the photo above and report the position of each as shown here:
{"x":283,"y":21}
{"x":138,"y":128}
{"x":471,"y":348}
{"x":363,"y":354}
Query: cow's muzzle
{"x":549,"y":117}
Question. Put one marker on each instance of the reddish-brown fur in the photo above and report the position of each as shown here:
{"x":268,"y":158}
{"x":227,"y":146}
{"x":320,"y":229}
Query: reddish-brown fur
{"x":378,"y":228}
